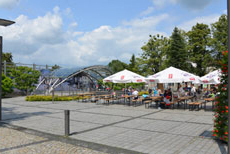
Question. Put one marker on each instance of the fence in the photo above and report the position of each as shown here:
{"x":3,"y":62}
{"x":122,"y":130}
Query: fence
{"x":8,"y":65}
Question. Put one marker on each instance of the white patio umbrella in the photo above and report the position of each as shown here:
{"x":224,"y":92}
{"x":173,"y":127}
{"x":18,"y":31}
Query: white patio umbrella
{"x":173,"y":75}
{"x":211,"y":78}
{"x":125,"y":76}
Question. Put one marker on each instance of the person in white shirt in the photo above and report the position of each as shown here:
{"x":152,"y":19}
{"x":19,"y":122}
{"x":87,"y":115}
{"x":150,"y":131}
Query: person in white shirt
{"x":135,"y":93}
{"x":193,"y":90}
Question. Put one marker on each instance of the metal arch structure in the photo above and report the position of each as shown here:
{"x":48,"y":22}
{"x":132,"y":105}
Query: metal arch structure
{"x":94,"y":69}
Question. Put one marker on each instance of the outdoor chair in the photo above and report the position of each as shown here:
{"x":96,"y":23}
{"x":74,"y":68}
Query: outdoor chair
{"x":135,"y":101}
{"x":172,"y":104}
{"x":94,"y":99}
{"x":107,"y":100}
{"x":147,"y":102}
{"x":194,"y":105}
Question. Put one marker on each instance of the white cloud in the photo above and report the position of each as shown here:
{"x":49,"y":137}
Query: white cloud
{"x":146,"y":22}
{"x":147,"y":12}
{"x":56,"y":9}
{"x":67,"y":11}
{"x":160,"y":3}
{"x":193,"y":4}
{"x":205,"y":19}
{"x":74,"y":24}
{"x":8,"y":4}
{"x":189,"y":4}
{"x":42,"y":40}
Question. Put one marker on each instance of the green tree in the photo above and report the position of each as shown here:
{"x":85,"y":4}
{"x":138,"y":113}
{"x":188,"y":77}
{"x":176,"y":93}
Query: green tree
{"x":25,"y":78}
{"x":177,"y":55}
{"x":133,"y":66}
{"x":220,"y":36}
{"x":153,"y":57}
{"x":199,"y":49}
{"x":117,"y":65}
{"x":7,"y":56}
{"x":7,"y":85}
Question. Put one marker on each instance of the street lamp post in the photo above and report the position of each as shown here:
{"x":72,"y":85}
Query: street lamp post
{"x":5,"y":23}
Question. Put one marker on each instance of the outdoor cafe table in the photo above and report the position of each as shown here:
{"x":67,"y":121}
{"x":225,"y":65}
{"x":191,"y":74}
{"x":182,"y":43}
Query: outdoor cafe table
{"x":103,"y":97}
{"x":85,"y":94}
{"x":156,"y":99}
{"x":184,"y":99}
{"x":128,"y":97}
{"x":206,"y":100}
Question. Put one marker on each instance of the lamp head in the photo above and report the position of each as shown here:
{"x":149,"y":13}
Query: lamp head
{"x":5,"y":23}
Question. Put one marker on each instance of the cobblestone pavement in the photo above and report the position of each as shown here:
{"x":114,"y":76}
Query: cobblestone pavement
{"x":119,"y":127}
{"x":16,"y":142}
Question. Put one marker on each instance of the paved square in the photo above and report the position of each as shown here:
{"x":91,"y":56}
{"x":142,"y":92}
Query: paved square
{"x":126,"y":127}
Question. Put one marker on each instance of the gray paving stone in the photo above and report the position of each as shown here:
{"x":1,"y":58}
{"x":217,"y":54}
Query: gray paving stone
{"x":16,"y":142}
{"x":134,"y":128}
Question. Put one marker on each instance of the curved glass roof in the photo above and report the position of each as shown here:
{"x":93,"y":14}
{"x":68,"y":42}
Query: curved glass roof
{"x":92,"y":70}
{"x":45,"y":72}
{"x":65,"y":72}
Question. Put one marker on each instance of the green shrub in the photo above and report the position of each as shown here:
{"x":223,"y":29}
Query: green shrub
{"x":143,"y":92}
{"x":7,"y":85}
{"x":49,"y":98}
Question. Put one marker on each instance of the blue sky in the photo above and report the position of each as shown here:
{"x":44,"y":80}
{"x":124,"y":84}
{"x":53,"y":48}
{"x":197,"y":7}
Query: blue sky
{"x":89,"y":32}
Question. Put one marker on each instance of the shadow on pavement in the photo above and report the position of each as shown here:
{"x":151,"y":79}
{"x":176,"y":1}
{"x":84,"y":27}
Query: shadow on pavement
{"x":10,"y":114}
{"x":222,"y":146}
{"x":206,"y":134}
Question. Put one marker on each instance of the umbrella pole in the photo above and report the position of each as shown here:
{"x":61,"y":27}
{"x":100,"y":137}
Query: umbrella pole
{"x":125,"y":93}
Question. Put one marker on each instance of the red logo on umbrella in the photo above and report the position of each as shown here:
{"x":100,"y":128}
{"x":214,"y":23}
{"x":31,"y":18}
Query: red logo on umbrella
{"x":139,"y":80}
{"x":170,"y":76}
{"x":151,"y":80}
{"x":122,"y":77}
{"x":192,"y":78}
{"x":205,"y":81}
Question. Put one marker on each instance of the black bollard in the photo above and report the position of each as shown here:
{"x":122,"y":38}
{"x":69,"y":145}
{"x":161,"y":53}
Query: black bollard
{"x":53,"y":96}
{"x":66,"y":122}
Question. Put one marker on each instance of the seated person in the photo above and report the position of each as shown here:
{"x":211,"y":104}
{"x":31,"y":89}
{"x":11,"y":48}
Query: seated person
{"x":181,"y":91}
{"x":212,"y":95}
{"x":170,"y":94}
{"x":113,"y":94}
{"x":150,"y":91}
{"x":166,"y":99}
{"x":145,"y":95}
{"x":193,"y":90}
{"x":159,"y":92}
{"x":206,"y":93}
{"x":155,"y":92}
{"x":135,"y":93}
{"x":129,"y":92}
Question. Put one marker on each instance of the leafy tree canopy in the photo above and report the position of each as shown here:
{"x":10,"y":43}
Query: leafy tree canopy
{"x":177,"y":55}
{"x":199,"y":49}
{"x":117,"y":65}
{"x":7,"y":56}
{"x":25,"y":78}
{"x":7,"y":85}
{"x":133,"y":66}
{"x":219,"y":41}
{"x":153,"y":55}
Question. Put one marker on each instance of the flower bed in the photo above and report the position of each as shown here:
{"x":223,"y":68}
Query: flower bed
{"x":220,"y":130}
